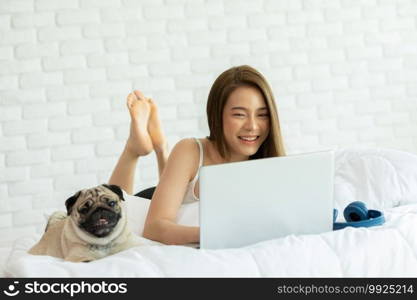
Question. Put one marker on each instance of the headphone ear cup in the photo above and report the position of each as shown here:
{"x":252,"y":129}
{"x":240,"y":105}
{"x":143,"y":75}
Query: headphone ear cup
{"x":357,"y":215}
{"x":356,"y":211}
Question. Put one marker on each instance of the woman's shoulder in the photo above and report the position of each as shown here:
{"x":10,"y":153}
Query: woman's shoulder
{"x":186,"y":154}
{"x":187,"y":144}
{"x":188,"y":148}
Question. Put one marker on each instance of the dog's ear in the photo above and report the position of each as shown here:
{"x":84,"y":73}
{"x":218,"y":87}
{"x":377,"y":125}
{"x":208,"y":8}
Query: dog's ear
{"x":115,"y":189}
{"x":69,"y":203}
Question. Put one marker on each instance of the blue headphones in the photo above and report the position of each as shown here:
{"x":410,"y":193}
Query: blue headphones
{"x":357,"y":215}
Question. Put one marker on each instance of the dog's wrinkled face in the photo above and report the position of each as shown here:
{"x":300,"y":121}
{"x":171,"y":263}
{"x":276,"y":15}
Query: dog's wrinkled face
{"x":96,"y":210}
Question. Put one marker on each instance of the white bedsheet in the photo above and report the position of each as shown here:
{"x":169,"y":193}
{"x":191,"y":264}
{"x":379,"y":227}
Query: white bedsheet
{"x":383,"y":179}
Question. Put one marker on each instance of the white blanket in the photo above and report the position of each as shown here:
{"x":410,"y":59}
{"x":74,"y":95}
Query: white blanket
{"x":383,"y":179}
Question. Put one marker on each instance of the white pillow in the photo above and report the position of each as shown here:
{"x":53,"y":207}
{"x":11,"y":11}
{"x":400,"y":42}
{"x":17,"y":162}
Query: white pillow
{"x":381,"y":178}
{"x":137,"y":209}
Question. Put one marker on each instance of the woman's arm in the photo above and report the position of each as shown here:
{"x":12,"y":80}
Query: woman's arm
{"x":160,"y":224}
{"x":170,"y":233}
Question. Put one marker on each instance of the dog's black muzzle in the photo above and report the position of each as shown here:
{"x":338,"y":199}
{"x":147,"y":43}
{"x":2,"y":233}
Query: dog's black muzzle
{"x":101,"y":222}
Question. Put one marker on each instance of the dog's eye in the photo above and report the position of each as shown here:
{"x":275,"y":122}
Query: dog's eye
{"x":84,"y":210}
{"x":112,"y":203}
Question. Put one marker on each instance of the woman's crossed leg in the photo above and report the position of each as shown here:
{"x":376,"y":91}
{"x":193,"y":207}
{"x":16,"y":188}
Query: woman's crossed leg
{"x":146,"y":134}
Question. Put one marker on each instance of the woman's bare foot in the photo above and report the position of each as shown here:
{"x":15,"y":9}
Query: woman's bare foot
{"x":139,"y":141}
{"x":156,"y":133}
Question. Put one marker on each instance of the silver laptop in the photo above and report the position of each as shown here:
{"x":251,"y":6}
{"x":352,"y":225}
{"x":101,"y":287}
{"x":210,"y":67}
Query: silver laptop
{"x":243,"y":203}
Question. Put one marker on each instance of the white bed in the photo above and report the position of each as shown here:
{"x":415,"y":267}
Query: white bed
{"x":383,"y":179}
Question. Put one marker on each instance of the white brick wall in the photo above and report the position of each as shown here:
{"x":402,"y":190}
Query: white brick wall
{"x":344,"y":73}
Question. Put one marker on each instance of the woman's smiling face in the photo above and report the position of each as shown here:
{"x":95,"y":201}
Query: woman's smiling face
{"x":245,"y":122}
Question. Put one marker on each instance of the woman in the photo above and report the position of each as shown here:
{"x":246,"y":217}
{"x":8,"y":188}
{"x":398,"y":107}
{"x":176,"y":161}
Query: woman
{"x":243,"y":124}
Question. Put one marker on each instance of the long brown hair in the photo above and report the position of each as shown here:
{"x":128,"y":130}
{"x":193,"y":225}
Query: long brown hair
{"x":222,"y":87}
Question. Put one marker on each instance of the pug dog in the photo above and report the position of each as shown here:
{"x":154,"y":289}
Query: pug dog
{"x":94,"y":226}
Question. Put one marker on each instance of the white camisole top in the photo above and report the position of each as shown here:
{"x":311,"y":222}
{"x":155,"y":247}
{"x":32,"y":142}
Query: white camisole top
{"x":189,"y":196}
